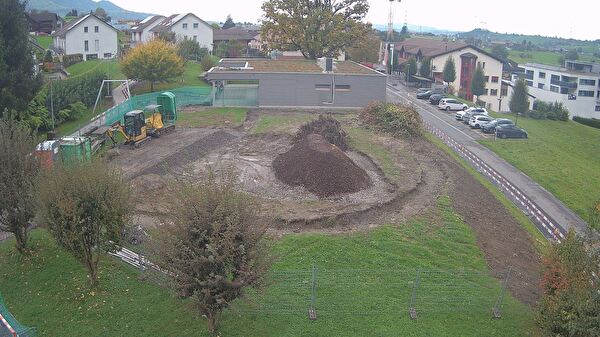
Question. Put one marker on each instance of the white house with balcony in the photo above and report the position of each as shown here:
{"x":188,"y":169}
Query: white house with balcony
{"x":141,"y":33}
{"x":87,"y":35}
{"x":186,"y":26}
{"x":576,"y":85}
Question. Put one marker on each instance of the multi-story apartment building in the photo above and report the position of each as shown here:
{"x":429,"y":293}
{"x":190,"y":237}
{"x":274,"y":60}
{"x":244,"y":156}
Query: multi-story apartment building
{"x":576,"y":85}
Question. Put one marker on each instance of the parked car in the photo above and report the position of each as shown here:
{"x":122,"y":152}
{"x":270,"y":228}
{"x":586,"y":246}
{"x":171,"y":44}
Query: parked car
{"x":476,"y":121}
{"x":475,"y":112}
{"x":428,"y":93}
{"x":459,"y":115}
{"x":423,"y":90}
{"x":510,"y":131}
{"x":436,"y":98}
{"x":451,"y":104}
{"x":490,"y":127}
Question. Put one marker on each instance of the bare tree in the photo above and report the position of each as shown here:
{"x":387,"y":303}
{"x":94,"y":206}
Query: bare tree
{"x":213,"y":246}
{"x":86,"y":207}
{"x":18,"y":173}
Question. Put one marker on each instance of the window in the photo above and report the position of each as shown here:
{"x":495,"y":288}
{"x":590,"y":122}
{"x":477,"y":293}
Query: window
{"x":342,"y":87}
{"x":529,"y":72}
{"x":495,"y":79}
{"x":322,"y":86}
{"x":529,"y":83}
{"x":597,"y":107}
{"x":586,"y":93}
{"x":86,"y":45}
{"x":195,"y":37}
{"x":185,"y":26}
{"x":97,"y":45}
{"x":85,"y":29}
{"x":542,"y":75}
{"x":494,"y":92}
{"x":541,"y":85}
{"x":96,"y":29}
{"x":485,"y":92}
{"x":587,"y":82}
{"x":107,"y":55}
{"x":483,"y":66}
{"x":555,"y":78}
{"x":504,"y":91}
{"x":91,"y":57}
{"x":487,"y":79}
{"x":195,"y":25}
{"x":553,"y":88}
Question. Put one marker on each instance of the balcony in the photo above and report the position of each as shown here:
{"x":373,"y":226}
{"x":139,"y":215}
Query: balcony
{"x":564,"y":84}
{"x":524,"y":76}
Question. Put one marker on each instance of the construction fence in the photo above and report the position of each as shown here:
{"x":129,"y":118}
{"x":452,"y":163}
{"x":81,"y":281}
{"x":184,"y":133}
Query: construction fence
{"x":10,"y":327}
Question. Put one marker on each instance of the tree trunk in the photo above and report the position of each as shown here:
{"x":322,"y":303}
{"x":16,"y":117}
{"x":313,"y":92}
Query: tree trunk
{"x":151,"y":86}
{"x":212,"y":322}
{"x":92,"y":268}
{"x":21,"y":237}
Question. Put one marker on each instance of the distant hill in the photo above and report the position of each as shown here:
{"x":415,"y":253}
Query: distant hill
{"x":62,"y":7}
{"x":417,"y":29}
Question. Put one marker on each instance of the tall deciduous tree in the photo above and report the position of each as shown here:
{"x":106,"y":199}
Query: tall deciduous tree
{"x":449,"y":70}
{"x":86,"y":207}
{"x":519,"y":100}
{"x":425,"y":69}
{"x":18,"y":174}
{"x":213,"y":247}
{"x":155,"y":61}
{"x":317,"y":28}
{"x":228,"y":23}
{"x":366,"y":50}
{"x":478,"y":82}
{"x":500,"y":51}
{"x":18,"y":81}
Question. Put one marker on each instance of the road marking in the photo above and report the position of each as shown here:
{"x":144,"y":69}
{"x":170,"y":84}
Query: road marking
{"x":443,"y":121}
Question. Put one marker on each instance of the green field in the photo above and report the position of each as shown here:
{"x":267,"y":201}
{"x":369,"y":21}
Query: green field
{"x":44,"y":41}
{"x":190,"y":78}
{"x":109,"y":67}
{"x":49,"y":289}
{"x":543,"y":57}
{"x":563,"y":157}
{"x":213,"y":117}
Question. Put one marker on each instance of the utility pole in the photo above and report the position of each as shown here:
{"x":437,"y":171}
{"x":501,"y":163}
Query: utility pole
{"x":390,"y":37}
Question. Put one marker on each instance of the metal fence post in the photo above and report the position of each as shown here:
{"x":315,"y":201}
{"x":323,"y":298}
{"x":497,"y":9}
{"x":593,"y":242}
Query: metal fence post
{"x":412,"y":310}
{"x":497,"y":309}
{"x":312,"y":311}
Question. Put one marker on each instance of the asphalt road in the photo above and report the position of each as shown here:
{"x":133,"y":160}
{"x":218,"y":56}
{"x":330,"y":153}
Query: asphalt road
{"x":533,"y":199}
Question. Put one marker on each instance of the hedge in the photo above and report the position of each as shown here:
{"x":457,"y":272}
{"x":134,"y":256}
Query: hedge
{"x":593,"y":122}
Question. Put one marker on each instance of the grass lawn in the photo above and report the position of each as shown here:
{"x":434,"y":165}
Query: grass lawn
{"x":213,"y":117}
{"x":543,"y":57}
{"x":49,"y":289}
{"x":563,"y":157}
{"x":109,"y":67}
{"x":44,"y":41}
{"x":69,"y":127}
{"x":189,"y":78}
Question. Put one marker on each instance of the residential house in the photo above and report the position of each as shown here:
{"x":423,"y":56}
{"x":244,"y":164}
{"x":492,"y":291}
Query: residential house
{"x":88,"y":35}
{"x":141,"y":32}
{"x":576,"y":85}
{"x":186,"y":26}
{"x":466,"y":58}
{"x":43,"y":22}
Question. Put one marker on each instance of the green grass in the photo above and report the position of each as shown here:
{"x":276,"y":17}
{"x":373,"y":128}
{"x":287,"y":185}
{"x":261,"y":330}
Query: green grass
{"x":109,"y":67}
{"x":190,"y":78}
{"x":563,"y":157}
{"x":543,"y":57}
{"x":213,"y":117}
{"x":281,"y":124}
{"x":49,"y":290}
{"x":70,"y":127}
{"x":44,"y":41}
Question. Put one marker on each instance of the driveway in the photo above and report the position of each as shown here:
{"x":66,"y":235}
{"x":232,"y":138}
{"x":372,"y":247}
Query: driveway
{"x":549,"y":214}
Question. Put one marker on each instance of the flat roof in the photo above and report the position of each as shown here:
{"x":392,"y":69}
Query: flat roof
{"x":559,"y":69}
{"x":294,"y":66}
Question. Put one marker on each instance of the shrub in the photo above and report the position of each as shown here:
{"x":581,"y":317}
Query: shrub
{"x":69,"y":60}
{"x":593,"y":122}
{"x":398,"y":120}
{"x":208,"y":61}
{"x":328,"y":127}
{"x":553,"y":111}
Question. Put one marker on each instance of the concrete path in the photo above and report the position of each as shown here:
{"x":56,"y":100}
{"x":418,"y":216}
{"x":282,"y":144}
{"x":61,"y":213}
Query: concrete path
{"x":533,"y":199}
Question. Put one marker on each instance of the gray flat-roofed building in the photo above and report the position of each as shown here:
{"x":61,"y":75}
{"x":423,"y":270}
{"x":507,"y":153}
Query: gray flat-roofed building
{"x":299,"y":83}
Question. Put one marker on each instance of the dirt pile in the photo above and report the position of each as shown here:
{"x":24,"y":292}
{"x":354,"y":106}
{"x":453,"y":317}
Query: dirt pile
{"x":321,"y":167}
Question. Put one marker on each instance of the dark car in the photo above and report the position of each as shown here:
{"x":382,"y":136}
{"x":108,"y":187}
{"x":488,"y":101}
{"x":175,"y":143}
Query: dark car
{"x":491,"y":126}
{"x":510,"y":131}
{"x":435,"y":98}
{"x":428,"y":93}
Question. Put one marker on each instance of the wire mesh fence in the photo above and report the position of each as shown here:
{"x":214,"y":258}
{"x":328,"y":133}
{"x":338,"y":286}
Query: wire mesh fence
{"x":10,"y":327}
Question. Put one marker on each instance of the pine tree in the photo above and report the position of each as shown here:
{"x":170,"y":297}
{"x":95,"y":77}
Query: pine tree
{"x":228,"y":23}
{"x":425,"y":69}
{"x":411,"y":68}
{"x":18,"y":81}
{"x":478,"y":82}
{"x":519,"y":102}
{"x":449,"y":71}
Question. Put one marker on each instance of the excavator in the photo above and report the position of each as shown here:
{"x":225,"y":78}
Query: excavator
{"x":137,"y":129}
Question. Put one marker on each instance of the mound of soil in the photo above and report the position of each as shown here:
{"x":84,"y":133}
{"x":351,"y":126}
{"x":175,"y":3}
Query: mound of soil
{"x":321,"y":167}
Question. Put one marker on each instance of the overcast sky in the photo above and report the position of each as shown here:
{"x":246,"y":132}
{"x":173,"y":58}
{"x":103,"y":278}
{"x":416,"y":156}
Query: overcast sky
{"x":573,"y":18}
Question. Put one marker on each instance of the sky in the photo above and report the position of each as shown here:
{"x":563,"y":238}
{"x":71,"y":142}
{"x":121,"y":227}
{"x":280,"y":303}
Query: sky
{"x":571,"y":19}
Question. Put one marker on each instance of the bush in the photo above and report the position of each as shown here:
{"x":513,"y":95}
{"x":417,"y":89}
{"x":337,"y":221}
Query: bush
{"x":398,"y":120}
{"x":553,"y":111}
{"x":593,"y":122}
{"x":208,"y":62}
{"x":328,"y":127}
{"x":191,"y":50}
{"x":69,"y":60}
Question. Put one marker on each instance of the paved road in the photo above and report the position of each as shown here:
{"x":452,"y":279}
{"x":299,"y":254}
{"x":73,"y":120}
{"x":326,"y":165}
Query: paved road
{"x":528,"y":195}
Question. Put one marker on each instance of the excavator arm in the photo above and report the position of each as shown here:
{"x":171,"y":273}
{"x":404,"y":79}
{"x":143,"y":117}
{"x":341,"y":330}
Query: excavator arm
{"x":117,"y":127}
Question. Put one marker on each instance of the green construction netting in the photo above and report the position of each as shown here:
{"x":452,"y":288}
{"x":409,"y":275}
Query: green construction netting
{"x":21,"y":330}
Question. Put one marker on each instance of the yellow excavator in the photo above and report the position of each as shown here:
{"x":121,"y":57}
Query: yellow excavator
{"x":137,"y":129}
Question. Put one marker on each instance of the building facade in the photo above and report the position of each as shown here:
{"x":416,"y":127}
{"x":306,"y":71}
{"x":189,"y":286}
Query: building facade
{"x":186,"y":26}
{"x":88,"y":35}
{"x":141,"y":33}
{"x":577,"y":86}
{"x":466,"y":59}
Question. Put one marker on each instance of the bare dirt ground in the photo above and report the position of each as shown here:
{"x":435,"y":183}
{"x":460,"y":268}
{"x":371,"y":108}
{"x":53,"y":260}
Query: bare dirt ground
{"x":426,"y":174}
